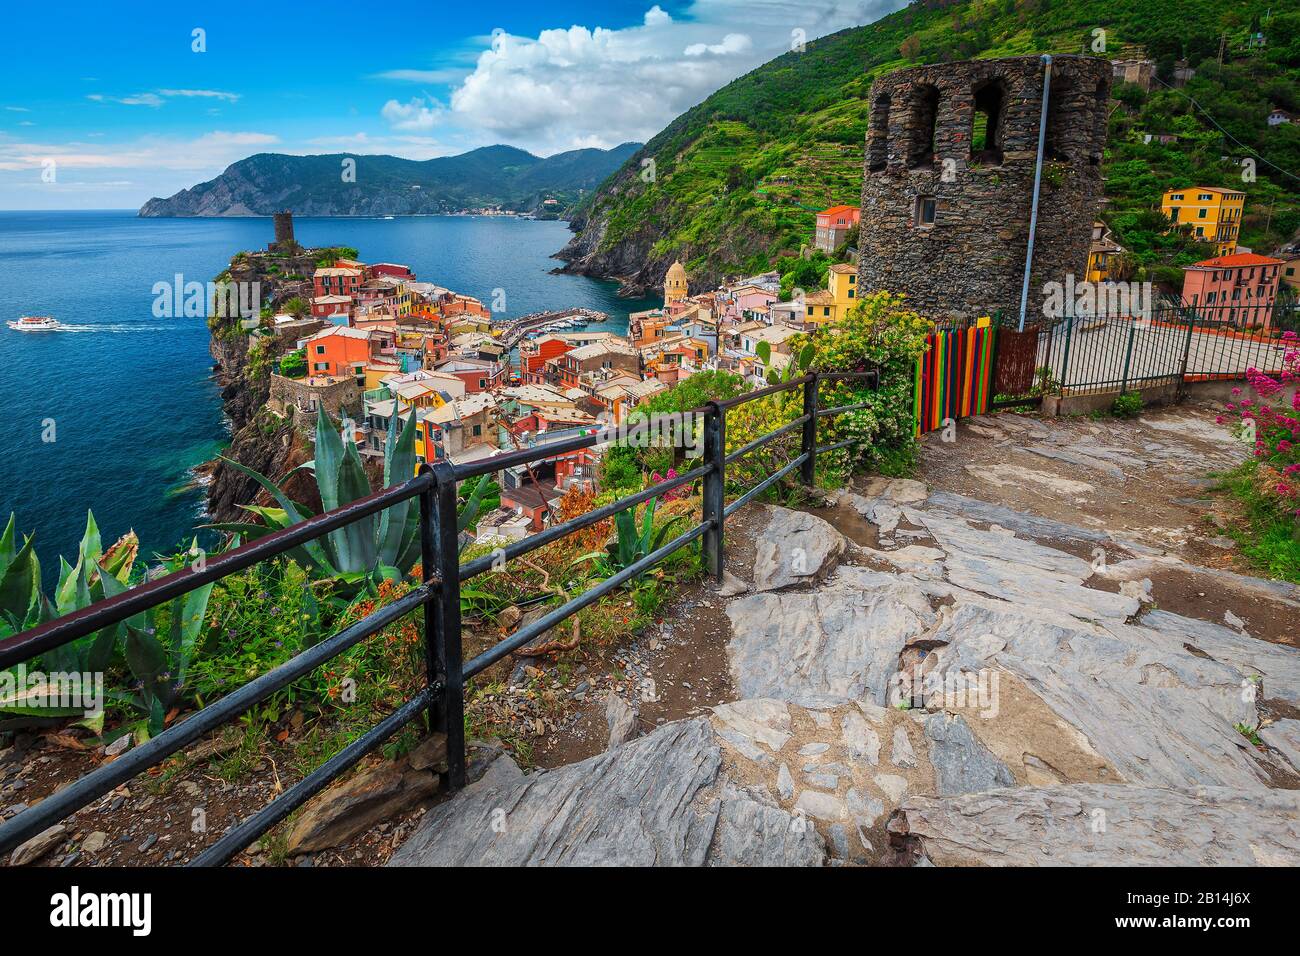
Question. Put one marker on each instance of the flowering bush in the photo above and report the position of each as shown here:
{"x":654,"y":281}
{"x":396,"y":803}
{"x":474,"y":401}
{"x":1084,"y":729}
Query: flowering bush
{"x":1273,"y":423}
{"x":681,"y":491}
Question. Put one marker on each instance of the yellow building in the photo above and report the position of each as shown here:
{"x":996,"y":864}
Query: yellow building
{"x":674,"y":284}
{"x":1211,"y":214}
{"x":830,"y":304}
{"x":1102,"y":254}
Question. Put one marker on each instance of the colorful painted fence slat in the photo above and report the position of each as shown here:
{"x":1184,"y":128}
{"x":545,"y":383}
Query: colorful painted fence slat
{"x":954,"y":378}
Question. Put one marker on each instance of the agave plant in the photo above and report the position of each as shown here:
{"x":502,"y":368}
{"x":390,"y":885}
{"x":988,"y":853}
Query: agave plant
{"x":160,"y":643}
{"x":20,"y":582}
{"x":631,"y":544}
{"x":380,"y":545}
{"x":96,"y":575}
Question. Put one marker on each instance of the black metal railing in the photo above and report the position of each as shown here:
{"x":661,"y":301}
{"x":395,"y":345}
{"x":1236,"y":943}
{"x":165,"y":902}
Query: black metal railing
{"x":437,"y":597}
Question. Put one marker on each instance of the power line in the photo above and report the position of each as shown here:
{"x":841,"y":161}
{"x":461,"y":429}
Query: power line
{"x":1224,"y":131}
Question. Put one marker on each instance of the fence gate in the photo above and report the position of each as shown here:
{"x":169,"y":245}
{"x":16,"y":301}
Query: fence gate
{"x":954,"y":377}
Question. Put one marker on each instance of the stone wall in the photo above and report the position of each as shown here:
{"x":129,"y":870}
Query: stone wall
{"x":970,"y":261}
{"x":298,"y":398}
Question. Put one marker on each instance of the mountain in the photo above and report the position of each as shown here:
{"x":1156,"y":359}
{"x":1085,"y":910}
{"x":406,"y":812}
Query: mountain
{"x":391,"y":186}
{"x":733,"y":184}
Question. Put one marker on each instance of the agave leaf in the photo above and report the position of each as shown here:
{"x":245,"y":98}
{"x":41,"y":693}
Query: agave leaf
{"x":7,"y":544}
{"x":294,"y":512}
{"x":188,"y":621}
{"x":354,"y":542}
{"x":274,"y":517}
{"x":91,"y":547}
{"x":145,"y":656}
{"x":119,"y":558}
{"x":399,"y":466}
{"x":806,"y":356}
{"x":24,"y":702}
{"x":20,"y":584}
{"x":329,"y":456}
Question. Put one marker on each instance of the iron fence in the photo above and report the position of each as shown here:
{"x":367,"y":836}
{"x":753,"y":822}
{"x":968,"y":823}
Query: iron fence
{"x":437,"y":598}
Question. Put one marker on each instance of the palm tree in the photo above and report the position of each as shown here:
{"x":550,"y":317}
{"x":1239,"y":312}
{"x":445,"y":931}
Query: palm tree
{"x":297,"y":307}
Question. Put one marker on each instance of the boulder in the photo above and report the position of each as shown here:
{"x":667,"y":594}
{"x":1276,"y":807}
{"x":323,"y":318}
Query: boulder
{"x":841,"y":641}
{"x":346,"y":809}
{"x":39,"y":845}
{"x":961,"y":763}
{"x":794,"y":547}
{"x":1101,"y":825}
{"x":621,"y":718}
{"x":578,"y":815}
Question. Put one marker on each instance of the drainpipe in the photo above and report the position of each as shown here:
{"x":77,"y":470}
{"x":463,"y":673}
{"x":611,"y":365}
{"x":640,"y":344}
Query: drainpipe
{"x":1038,"y":179}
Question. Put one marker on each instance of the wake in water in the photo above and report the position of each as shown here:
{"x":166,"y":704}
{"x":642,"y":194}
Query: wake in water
{"x":110,"y":327}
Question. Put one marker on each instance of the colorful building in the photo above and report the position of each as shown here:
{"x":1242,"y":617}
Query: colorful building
{"x":831,"y":304}
{"x":833,"y":227}
{"x":337,"y":280}
{"x":1210,"y":214}
{"x":1103,"y":254}
{"x":1238,"y":289}
{"x":339,"y":351}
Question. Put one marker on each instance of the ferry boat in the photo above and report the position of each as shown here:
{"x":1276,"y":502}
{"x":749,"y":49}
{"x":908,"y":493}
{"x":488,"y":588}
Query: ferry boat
{"x":34,"y":323}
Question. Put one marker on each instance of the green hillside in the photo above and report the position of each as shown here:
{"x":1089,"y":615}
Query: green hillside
{"x":732,"y":184}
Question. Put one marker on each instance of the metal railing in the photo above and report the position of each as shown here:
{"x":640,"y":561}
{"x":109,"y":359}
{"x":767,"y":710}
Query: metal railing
{"x":437,"y":597}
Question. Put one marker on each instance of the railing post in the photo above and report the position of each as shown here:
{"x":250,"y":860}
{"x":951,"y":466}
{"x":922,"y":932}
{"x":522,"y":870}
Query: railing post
{"x":715,"y":455}
{"x":1065,"y":360}
{"x":807,"y":473}
{"x":1128,"y":354}
{"x":440,"y":554}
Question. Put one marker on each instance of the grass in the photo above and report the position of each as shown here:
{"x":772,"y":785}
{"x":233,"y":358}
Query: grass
{"x":1268,"y":538}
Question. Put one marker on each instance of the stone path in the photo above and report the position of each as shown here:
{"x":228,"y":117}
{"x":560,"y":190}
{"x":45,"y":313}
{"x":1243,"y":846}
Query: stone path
{"x":978,"y":684}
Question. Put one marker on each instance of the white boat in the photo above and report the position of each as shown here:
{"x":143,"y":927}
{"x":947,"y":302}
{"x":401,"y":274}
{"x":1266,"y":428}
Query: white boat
{"x":34,"y":323}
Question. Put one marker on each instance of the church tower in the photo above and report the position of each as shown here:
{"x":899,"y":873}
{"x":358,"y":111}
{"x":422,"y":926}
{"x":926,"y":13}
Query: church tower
{"x":674,"y":284}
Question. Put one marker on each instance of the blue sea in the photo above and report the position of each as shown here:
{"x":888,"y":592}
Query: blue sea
{"x":112,"y":413}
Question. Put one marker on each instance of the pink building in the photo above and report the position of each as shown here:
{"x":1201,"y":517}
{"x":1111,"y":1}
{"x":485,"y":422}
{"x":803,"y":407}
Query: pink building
{"x":1239,"y":288}
{"x":833,"y":226}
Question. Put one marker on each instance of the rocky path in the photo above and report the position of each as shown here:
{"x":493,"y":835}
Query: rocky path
{"x":957,"y":680}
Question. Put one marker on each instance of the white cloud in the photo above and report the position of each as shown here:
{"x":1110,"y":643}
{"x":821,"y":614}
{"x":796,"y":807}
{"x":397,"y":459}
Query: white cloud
{"x":418,"y":114}
{"x":731,"y":43}
{"x":214,"y":150}
{"x":160,"y":97}
{"x":208,"y":94}
{"x":596,"y":86}
{"x":450,"y":74}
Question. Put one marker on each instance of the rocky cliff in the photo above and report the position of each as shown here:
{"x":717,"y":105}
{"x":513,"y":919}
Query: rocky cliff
{"x":259,"y":439}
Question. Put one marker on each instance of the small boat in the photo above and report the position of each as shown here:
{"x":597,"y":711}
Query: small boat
{"x":34,"y":323}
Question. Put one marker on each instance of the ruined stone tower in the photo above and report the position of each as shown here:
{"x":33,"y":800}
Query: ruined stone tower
{"x":949,"y":180}
{"x":284,"y":241}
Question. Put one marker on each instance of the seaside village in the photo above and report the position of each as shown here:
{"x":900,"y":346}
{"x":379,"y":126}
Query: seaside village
{"x":379,"y":343}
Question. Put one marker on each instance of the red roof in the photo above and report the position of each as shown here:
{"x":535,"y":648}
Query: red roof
{"x":1239,"y":260}
{"x":836,"y":210}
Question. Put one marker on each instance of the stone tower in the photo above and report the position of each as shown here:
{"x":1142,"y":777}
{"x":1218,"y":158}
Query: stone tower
{"x":949,"y":179}
{"x":284,"y":241}
{"x":674,"y":284}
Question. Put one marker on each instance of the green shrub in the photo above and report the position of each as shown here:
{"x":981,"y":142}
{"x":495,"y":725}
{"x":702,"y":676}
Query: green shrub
{"x":1127,"y":405}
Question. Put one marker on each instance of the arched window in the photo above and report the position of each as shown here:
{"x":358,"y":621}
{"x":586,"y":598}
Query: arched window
{"x":986,"y":123}
{"x":878,"y":134}
{"x":921,"y":126}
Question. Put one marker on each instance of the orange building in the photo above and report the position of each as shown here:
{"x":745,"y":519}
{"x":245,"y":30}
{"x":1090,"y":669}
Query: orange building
{"x":833,"y":226}
{"x":535,"y":353}
{"x":339,"y":350}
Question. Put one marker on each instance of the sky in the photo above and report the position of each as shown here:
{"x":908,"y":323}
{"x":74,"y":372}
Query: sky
{"x":103,"y":106}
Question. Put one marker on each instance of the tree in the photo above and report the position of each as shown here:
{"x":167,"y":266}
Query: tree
{"x":297,"y":307}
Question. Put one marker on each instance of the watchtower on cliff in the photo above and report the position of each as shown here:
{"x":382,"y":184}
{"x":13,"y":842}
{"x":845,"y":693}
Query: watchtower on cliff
{"x":949,"y":179}
{"x":284,"y":241}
